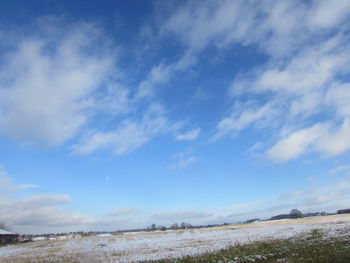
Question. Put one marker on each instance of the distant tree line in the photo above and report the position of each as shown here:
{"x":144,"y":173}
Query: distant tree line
{"x":296,"y":213}
{"x":344,"y":211}
{"x":182,"y":225}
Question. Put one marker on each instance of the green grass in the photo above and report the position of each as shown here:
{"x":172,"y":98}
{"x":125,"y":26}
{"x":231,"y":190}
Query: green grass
{"x":311,"y":248}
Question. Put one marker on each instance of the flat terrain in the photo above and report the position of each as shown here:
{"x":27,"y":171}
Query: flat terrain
{"x":133,"y":247}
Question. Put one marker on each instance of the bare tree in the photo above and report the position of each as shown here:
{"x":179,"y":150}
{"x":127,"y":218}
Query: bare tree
{"x":174,"y":226}
{"x":163,"y":228}
{"x":184,"y":225}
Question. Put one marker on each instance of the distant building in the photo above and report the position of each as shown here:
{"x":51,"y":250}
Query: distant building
{"x":8,"y":237}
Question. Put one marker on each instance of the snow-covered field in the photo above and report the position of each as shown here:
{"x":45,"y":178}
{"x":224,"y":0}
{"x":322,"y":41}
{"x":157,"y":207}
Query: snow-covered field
{"x":132,"y":247}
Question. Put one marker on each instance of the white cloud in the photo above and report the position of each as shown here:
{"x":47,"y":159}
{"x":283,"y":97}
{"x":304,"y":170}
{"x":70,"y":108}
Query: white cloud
{"x":27,"y":186}
{"x":181,"y":215}
{"x":184,"y":159}
{"x":47,"y":83}
{"x":60,"y":85}
{"x":338,"y":96}
{"x":339,"y":169}
{"x":331,"y":197}
{"x":36,"y":213}
{"x":327,"y":14}
{"x":161,"y":74}
{"x":290,"y":195}
{"x":188,"y":136}
{"x":45,"y":213}
{"x":130,"y":134}
{"x":200,"y":95}
{"x":247,"y":205}
{"x":7,"y":187}
{"x":312,"y":67}
{"x":200,"y":25}
{"x":122,"y":212}
{"x":244,"y":115}
{"x":327,"y":198}
{"x":298,"y":88}
{"x":335,"y":143}
{"x":224,"y":23}
{"x":113,"y":101}
{"x":304,"y":75}
{"x":296,"y":143}
{"x":42,"y":213}
{"x":323,"y":138}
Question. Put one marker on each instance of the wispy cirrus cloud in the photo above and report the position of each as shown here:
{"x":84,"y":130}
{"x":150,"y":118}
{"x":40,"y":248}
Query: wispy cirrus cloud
{"x":316,"y":198}
{"x":188,"y":136}
{"x":181,"y":215}
{"x":303,"y":75}
{"x":300,"y":84}
{"x":184,"y":159}
{"x":123,"y":212}
{"x":339,"y":170}
{"x":130,"y":134}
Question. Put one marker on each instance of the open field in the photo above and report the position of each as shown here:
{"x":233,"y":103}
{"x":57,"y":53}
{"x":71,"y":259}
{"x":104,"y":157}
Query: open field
{"x":142,"y":246}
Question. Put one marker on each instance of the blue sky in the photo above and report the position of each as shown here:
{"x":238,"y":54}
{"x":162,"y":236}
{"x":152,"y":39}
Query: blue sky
{"x":117,"y":115}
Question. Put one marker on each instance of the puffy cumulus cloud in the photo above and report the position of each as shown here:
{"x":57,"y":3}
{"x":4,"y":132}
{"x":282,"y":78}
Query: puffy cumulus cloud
{"x":130,"y":134}
{"x":188,"y":136}
{"x":48,"y":80}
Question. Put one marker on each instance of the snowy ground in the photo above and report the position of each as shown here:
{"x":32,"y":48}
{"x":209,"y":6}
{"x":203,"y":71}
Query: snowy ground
{"x":134,"y":247}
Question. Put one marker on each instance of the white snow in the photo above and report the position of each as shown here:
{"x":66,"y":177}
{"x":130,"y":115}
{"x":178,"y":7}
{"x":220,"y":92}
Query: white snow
{"x":155,"y":245}
{"x":40,"y":238}
{"x":4,"y":232}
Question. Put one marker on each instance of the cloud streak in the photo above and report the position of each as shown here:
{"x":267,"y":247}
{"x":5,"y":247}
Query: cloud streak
{"x":188,"y":136}
{"x":184,"y":159}
{"x":130,"y":134}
